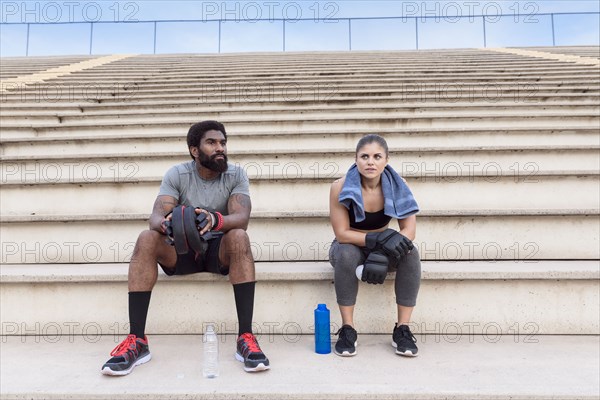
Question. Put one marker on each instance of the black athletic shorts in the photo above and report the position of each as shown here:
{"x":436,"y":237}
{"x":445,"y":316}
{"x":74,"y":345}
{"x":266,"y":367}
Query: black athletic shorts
{"x":187,"y":264}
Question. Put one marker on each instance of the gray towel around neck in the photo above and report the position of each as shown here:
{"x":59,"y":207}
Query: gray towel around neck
{"x":398,"y":199}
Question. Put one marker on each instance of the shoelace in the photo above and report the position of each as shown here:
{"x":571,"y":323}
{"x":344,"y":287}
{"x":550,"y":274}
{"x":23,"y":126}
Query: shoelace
{"x":406,"y":333}
{"x":251,"y":343}
{"x":343,"y":334}
{"x":124,"y":346}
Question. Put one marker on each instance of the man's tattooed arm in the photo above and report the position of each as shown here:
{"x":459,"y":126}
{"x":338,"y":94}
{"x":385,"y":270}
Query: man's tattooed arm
{"x":162,"y":206}
{"x":239,"y":207}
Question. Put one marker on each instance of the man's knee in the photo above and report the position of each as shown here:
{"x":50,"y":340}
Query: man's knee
{"x":148,"y":238}
{"x":237,"y":236}
{"x":236,"y":245}
{"x":148,"y":244}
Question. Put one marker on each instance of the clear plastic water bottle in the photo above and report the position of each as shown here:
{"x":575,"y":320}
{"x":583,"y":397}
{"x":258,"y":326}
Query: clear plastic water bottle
{"x":322,"y":330}
{"x":211,"y":353}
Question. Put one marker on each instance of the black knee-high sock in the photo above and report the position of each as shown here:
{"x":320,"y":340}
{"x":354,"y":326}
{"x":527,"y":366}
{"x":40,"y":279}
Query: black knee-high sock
{"x":244,"y":303}
{"x":138,"y":311}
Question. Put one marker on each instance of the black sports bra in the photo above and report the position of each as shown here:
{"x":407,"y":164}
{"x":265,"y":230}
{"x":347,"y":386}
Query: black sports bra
{"x":372,"y":221}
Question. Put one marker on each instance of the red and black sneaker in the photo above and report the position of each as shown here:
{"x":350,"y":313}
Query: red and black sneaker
{"x":250,"y":354}
{"x":130,"y":352}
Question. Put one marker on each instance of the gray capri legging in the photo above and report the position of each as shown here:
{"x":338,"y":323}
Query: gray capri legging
{"x":346,"y":257}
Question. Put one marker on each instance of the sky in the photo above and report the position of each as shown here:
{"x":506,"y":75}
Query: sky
{"x":65,"y":27}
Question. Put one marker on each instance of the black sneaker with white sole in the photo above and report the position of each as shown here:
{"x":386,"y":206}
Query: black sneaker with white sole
{"x":130,"y":352}
{"x":346,"y":343}
{"x":404,"y":341}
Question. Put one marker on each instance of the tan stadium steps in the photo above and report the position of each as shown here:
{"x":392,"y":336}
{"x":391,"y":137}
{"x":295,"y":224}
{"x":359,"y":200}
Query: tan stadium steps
{"x":13,"y":67}
{"x":213,"y":65}
{"x":46,"y":108}
{"x":302,"y":76}
{"x":444,"y":323}
{"x":483,"y":234}
{"x":381,"y":117}
{"x":323,"y":85}
{"x":375,"y":58}
{"x":583,"y":51}
{"x":297,"y":373}
{"x":375,"y":122}
{"x":506,"y":286}
{"x":309,"y":115}
{"x":500,"y":148}
{"x":301,"y":163}
{"x":22,"y":81}
{"x":575,"y":148}
{"x":175,"y":371}
{"x":416,"y":89}
{"x":571,"y":58}
{"x":293,"y":88}
{"x":332,"y":140}
{"x":87,"y":96}
{"x":410,"y":110}
{"x":518,"y":190}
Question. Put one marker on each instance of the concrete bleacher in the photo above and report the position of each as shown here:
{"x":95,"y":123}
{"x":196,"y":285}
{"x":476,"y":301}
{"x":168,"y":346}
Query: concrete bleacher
{"x":583,"y":51}
{"x":13,"y":67}
{"x":500,"y":149}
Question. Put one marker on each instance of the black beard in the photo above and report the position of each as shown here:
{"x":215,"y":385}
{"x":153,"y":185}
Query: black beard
{"x":213,"y":164}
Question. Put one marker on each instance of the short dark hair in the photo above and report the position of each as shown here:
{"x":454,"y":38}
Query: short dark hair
{"x":197,"y":131}
{"x":372,"y":138}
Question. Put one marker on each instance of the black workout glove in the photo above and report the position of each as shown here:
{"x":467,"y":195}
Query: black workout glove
{"x":391,"y":242}
{"x":375,"y":268}
{"x":201,"y":220}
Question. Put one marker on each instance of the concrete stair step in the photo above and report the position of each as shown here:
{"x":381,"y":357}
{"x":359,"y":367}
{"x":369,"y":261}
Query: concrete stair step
{"x":330,"y":63}
{"x":380,"y":79}
{"x":343,"y":55}
{"x":243,"y":93}
{"x":287,"y":61}
{"x":328,"y":85}
{"x":23,"y":281}
{"x":548,"y":55}
{"x":326,"y":140}
{"x":260,"y":99}
{"x":326,"y":61}
{"x":341,"y":104}
{"x":160,"y":62}
{"x":443,"y":235}
{"x":285,"y":118}
{"x":20,"y":66}
{"x":595,"y":50}
{"x":332,"y":68}
{"x":283,"y":111}
{"x":33,"y":297}
{"x":297,"y":373}
{"x":329,"y":60}
{"x":351,"y":60}
{"x":564,"y":76}
{"x":436,"y":164}
{"x":317,"y":122}
{"x":354,"y":59}
{"x":523,"y":191}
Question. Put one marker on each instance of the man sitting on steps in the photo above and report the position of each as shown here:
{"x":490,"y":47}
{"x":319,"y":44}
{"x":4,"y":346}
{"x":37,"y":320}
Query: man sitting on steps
{"x":221,"y":191}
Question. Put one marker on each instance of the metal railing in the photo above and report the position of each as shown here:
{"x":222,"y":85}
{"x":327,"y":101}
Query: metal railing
{"x":485,"y":19}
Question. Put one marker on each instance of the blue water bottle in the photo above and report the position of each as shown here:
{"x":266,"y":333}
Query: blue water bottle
{"x":322,"y":330}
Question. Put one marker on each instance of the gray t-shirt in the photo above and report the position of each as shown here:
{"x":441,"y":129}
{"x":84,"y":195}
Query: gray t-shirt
{"x":183,"y":182}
